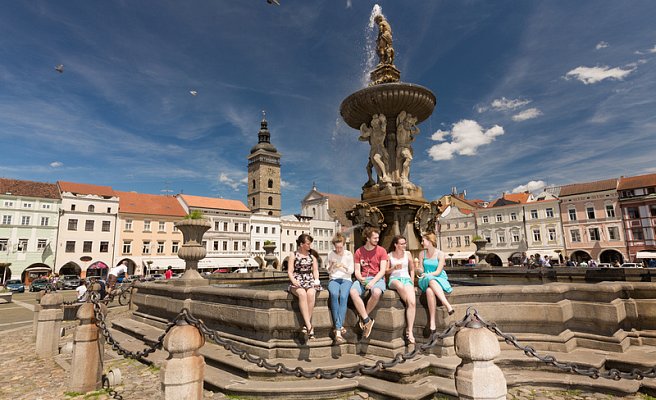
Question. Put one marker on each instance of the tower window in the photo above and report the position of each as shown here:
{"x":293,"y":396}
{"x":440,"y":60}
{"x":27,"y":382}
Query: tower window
{"x":253,"y":201}
{"x":270,"y":201}
{"x":270,"y":184}
{"x":253,"y":183}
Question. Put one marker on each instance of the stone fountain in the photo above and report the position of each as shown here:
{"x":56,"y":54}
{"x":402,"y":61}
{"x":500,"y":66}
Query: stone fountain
{"x":386,"y":113}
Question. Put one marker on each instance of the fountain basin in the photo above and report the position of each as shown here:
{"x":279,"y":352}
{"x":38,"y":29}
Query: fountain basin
{"x":389,"y":99}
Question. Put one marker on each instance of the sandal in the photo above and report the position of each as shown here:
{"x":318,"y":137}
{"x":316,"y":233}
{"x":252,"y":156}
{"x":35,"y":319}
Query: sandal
{"x":343,"y":331}
{"x":451,"y":311}
{"x":310,"y":334}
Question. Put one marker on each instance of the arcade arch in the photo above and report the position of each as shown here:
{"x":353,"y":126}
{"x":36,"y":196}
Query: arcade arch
{"x":579,"y":256}
{"x":610,"y":256}
{"x":494,"y":260}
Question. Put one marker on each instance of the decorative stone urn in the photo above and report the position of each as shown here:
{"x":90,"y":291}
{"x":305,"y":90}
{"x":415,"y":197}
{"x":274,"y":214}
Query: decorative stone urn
{"x":268,"y":255}
{"x":192,"y":250}
{"x":481,"y":253}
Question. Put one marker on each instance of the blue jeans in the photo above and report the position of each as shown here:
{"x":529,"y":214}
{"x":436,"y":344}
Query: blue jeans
{"x":339,"y":294}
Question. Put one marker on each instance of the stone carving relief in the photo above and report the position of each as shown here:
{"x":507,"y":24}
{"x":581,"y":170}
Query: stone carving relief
{"x":378,"y":156}
{"x":427,"y":215}
{"x":406,"y":130}
{"x":364,"y":214}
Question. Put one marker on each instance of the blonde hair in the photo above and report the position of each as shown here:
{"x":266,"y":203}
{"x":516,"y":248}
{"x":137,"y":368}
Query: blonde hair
{"x":431,"y":238}
{"x":338,"y":238}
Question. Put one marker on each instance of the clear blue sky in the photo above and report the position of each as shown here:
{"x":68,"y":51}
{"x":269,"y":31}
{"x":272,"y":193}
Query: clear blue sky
{"x":548,"y":91}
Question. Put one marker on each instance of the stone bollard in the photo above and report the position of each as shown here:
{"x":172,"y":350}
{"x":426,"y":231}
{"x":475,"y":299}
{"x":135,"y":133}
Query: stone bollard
{"x":87,"y":362}
{"x":477,"y":377}
{"x":37,"y":308}
{"x":183,"y":372}
{"x":49,"y":325}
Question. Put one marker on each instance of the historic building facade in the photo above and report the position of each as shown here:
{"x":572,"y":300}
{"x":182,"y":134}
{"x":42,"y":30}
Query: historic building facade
{"x":29,"y":213}
{"x":637,"y":197}
{"x":543,"y":228}
{"x":264,"y":175}
{"x":455,"y":231}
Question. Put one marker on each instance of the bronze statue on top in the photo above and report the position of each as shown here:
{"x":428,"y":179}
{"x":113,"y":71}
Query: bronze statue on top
{"x":384,"y":42}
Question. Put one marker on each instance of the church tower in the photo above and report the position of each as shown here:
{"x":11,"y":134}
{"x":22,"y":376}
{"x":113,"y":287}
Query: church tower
{"x":264,"y":174}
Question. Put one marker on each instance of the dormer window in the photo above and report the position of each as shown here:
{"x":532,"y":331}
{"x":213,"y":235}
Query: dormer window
{"x":92,"y":208}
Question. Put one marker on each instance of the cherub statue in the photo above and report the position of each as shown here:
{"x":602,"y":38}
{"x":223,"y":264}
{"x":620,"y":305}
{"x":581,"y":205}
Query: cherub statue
{"x":384,"y":47}
{"x":405,"y":135}
{"x":378,"y":156}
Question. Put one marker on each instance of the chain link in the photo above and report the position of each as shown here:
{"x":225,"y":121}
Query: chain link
{"x":594,"y":373}
{"x":105,"y":384}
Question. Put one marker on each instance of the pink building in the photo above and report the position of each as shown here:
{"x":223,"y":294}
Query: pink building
{"x":638,"y":201}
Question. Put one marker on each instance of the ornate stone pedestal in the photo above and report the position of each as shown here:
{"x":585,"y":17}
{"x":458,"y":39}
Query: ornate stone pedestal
{"x":192,"y":251}
{"x":384,"y":73}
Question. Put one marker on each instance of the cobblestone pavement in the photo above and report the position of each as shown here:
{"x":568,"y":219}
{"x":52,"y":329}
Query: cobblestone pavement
{"x":25,"y":377}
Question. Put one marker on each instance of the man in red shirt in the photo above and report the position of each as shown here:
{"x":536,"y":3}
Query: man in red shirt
{"x":370,"y":265}
{"x":169,"y":273}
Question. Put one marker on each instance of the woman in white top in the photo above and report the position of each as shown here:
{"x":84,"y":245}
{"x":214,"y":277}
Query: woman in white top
{"x":401,"y":271}
{"x":340,"y":267}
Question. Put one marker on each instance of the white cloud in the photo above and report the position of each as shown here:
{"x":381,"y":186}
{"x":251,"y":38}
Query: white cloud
{"x":532,"y":186}
{"x":284,"y":184}
{"x":233,"y":183}
{"x":349,"y":4}
{"x":56,"y":164}
{"x":589,"y":75}
{"x":601,"y":45}
{"x":527,"y":114}
{"x":504,"y":104}
{"x":439,"y":135}
{"x":466,"y":137}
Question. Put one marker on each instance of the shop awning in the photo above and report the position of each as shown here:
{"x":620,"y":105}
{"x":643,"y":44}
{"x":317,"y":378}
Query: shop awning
{"x":646,"y":254}
{"x":459,"y":255}
{"x":38,"y":269}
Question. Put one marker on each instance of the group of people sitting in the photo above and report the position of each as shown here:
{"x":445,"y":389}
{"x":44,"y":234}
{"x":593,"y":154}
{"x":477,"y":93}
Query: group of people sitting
{"x":375,"y":270}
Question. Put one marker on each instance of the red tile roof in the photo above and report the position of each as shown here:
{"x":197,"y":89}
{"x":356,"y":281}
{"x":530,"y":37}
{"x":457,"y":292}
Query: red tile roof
{"x":150,"y":204}
{"x":17,"y":187}
{"x":85,"y":188}
{"x":588,"y":187}
{"x":212,"y":202}
{"x":511,"y":198}
{"x":338,"y":205}
{"x":635,"y":182}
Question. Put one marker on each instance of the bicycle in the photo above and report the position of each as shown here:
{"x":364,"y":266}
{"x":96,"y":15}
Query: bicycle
{"x":122,"y":292}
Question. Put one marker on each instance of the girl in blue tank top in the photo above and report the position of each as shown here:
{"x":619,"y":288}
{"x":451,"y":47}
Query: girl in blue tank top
{"x":433,"y":280}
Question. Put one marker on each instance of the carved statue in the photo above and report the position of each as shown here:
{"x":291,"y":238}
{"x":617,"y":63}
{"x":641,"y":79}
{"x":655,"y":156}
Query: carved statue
{"x":384,"y":47}
{"x":364,"y":215}
{"x":378,"y":156}
{"x":427,"y":215}
{"x":405,"y":135}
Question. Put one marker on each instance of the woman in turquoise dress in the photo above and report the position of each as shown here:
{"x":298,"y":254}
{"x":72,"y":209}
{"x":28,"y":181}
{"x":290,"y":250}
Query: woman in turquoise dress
{"x":433,"y":279}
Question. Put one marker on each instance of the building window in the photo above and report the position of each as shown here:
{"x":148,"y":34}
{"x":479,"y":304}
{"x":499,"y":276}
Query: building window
{"x":72,"y":224}
{"x":610,"y":211}
{"x":273,"y":230}
{"x":86,"y":246}
{"x":536,"y":235}
{"x":217,"y":225}
{"x":175,"y":246}
{"x":467,"y":241}
{"x":284,"y":247}
{"x":128,"y":224}
{"x":633,"y":212}
{"x":572,"y":214}
{"x":613,"y":233}
{"x":590,"y":212}
{"x":162,"y":226}
{"x":160,"y":247}
{"x":534,"y":214}
{"x":146,"y":226}
{"x":266,"y":229}
{"x":145,"y":249}
{"x":515,"y":237}
{"x":485,"y":219}
{"x":6,"y":220}
{"x":88,"y":225}
{"x":552,"y":234}
{"x":72,"y":207}
{"x":91,"y":208}
{"x":257,"y":229}
{"x":253,"y":186}
{"x":104,"y":247}
{"x":550,"y":212}
{"x":270,"y":201}
{"x":70,"y":246}
{"x":106,"y":225}
{"x":109,"y":210}
{"x":45,"y":221}
{"x":235,"y":246}
{"x":253,"y":201}
{"x":501,"y":237}
{"x":215,"y":245}
{"x":449,"y":242}
{"x":244,"y":227}
{"x":22,"y":245}
{"x":513,"y":216}
{"x":4,"y":243}
{"x":270,"y":184}
{"x":257,"y":245}
{"x":45,"y":206}
{"x":243,"y":246}
{"x":9,"y":203}
{"x":27,"y":205}
{"x":41,"y":244}
{"x":225,"y":245}
{"x":458,"y":242}
{"x":225,"y":227}
{"x":575,"y":235}
{"x":25,"y":220}
{"x":127,"y":247}
{"x":637,"y":234}
{"x":236,"y":227}
{"x":594,"y":234}
{"x":499,"y":218}
{"x":652,"y":210}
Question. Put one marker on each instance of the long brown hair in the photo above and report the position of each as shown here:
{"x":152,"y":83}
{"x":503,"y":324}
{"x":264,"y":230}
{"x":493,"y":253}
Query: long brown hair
{"x":395,"y":240}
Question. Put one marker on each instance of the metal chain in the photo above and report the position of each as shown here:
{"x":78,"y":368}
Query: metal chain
{"x":138,"y":355}
{"x":105,"y":384}
{"x":594,"y":373}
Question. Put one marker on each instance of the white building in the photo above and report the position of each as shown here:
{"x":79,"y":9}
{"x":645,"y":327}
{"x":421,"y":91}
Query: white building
{"x":264,"y":228}
{"x":328,"y":213}
{"x":87,"y":229}
{"x":28,"y":228}
{"x":456,"y":228}
{"x":291,"y":227}
{"x":544,"y":229}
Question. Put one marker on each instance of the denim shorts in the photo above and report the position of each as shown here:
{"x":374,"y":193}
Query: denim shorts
{"x":358,"y":286}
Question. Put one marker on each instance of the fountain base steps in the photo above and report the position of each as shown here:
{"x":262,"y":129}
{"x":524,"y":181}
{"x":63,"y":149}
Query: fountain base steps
{"x":419,"y":378}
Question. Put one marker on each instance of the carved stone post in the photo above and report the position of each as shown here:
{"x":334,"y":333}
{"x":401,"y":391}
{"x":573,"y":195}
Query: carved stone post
{"x":37,"y":309}
{"x":183,"y":372}
{"x":87,"y":362}
{"x":477,"y":377}
{"x":192,"y":250}
{"x":49,"y":324}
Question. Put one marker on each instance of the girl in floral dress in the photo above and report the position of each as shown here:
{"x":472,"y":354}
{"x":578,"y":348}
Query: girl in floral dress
{"x":303,"y":272}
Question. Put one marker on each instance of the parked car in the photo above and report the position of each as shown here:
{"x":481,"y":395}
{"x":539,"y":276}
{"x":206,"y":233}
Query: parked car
{"x":68,"y":282}
{"x":242,"y":270}
{"x":631,"y":265}
{"x":221,"y":270}
{"x":39,"y":284}
{"x":15,"y":285}
{"x":157,"y":277}
{"x":604,"y":265}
